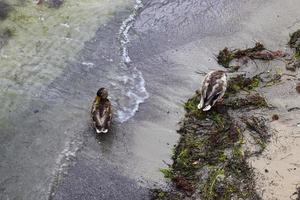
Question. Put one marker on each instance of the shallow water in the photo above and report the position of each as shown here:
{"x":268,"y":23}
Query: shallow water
{"x":45,"y":92}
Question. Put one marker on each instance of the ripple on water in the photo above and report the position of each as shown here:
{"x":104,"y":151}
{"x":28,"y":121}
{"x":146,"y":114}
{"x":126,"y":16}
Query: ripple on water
{"x":135,"y":91}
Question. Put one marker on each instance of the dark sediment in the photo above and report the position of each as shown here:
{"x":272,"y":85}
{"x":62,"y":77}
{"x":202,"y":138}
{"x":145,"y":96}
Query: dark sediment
{"x":55,"y":3}
{"x":4,"y":10}
{"x":5,"y":33}
{"x":294,"y":42}
{"x":51,"y":3}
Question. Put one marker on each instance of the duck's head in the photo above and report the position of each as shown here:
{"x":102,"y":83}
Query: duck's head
{"x":102,"y":93}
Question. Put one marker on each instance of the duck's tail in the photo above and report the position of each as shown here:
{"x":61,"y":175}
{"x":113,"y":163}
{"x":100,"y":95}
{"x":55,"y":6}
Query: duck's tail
{"x":103,"y":130}
{"x":207,"y":108}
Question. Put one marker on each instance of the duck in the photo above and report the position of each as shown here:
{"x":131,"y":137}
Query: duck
{"x":213,"y":89}
{"x":101,"y":112}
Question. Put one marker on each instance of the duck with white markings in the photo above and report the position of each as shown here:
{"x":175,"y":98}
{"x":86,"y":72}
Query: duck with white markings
{"x":101,"y":112}
{"x":213,"y":89}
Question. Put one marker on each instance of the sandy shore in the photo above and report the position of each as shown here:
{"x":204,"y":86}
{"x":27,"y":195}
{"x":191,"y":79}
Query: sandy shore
{"x":269,"y":22}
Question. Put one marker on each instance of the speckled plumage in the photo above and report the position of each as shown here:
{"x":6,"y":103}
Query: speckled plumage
{"x":101,"y":112}
{"x":213,"y":88}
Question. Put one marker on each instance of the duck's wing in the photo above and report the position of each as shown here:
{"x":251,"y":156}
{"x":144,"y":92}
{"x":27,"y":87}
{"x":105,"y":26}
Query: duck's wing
{"x":107,"y":115}
{"x":206,"y":85}
{"x":110,"y":114}
{"x":216,"y":88}
{"x":215,"y":92}
{"x":93,"y":112}
{"x":94,"y":107}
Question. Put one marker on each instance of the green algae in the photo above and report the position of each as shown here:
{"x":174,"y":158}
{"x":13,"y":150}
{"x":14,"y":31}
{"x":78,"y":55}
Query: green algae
{"x":225,"y":57}
{"x":240,"y":82}
{"x":168,"y":173}
{"x":191,"y":107}
{"x":160,"y":194}
{"x":37,"y":41}
{"x":214,"y":176}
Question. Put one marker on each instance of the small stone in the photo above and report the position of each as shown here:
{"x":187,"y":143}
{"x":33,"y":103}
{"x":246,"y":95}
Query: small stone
{"x":298,"y":88}
{"x":275,"y":117}
{"x":36,"y":111}
{"x":266,"y":170}
{"x":291,"y":68}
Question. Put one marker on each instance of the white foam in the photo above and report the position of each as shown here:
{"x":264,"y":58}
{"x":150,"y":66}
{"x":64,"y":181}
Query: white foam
{"x":88,"y":64}
{"x":136,"y":92}
{"x":65,"y":160}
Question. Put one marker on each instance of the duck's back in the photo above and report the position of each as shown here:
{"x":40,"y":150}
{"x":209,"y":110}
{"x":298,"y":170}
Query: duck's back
{"x":212,"y":83}
{"x":101,"y":113}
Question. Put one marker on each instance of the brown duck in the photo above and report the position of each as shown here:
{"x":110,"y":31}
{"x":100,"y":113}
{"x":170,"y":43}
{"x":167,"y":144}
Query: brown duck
{"x":101,"y":112}
{"x":213,"y":89}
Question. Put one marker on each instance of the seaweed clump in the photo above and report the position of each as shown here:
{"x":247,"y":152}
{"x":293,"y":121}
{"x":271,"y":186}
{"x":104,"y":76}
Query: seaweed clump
{"x":210,"y":160}
{"x":252,"y":100}
{"x":259,"y":51}
{"x":259,"y":130}
{"x":240,"y":82}
{"x":296,"y":195}
{"x":294,"y":42}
